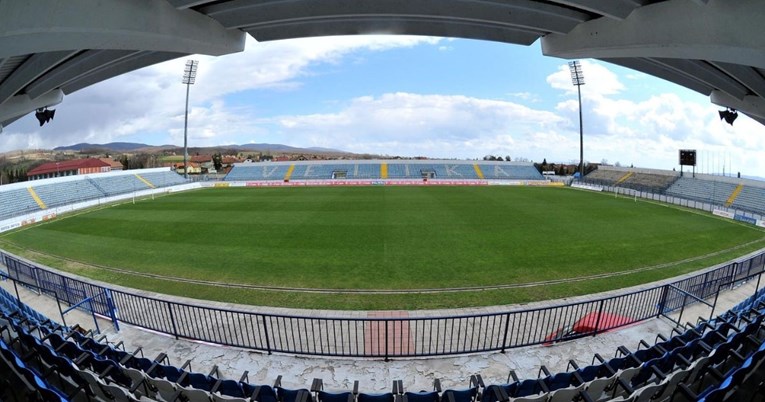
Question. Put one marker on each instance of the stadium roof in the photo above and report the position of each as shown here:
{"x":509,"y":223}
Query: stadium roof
{"x":51,"y":48}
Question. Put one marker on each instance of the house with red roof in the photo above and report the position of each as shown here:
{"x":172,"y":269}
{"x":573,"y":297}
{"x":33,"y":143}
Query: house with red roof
{"x":115,"y":165}
{"x":68,"y":168}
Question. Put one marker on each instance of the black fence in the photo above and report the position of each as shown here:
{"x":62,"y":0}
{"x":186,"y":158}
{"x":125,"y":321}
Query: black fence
{"x":388,"y":337}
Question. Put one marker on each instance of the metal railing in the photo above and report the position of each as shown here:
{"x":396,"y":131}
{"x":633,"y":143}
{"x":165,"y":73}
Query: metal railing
{"x":383,"y":337}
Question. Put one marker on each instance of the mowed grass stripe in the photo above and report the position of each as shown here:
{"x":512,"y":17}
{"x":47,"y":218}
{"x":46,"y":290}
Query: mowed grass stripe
{"x":384,"y":237}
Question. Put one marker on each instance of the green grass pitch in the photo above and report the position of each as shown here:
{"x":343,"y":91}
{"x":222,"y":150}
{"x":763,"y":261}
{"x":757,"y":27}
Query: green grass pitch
{"x":383,"y":238}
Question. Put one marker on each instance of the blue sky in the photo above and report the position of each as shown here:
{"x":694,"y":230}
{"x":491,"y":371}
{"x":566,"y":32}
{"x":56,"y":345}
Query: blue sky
{"x":408,"y":96}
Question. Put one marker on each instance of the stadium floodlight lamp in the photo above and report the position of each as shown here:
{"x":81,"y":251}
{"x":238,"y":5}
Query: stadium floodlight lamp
{"x":44,"y":115}
{"x":729,"y":115}
{"x":189,"y":77}
{"x":577,"y":78}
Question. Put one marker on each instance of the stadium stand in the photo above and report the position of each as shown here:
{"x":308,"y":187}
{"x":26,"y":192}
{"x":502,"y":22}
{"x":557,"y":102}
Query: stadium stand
{"x":16,"y":202}
{"x":636,"y":180}
{"x":18,"y":199}
{"x":655,"y":183}
{"x":604,"y":177}
{"x":335,"y":171}
{"x":69,"y":192}
{"x":712,"y":360}
{"x":162,"y":179}
{"x":741,"y":195}
{"x":375,"y":170}
{"x":751,"y":199}
{"x":499,"y":171}
{"x":402,"y":171}
{"x":715,"y":192}
{"x":453,"y":171}
{"x":252,"y":171}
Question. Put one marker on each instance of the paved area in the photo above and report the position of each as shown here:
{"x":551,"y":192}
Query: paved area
{"x":376,"y":374}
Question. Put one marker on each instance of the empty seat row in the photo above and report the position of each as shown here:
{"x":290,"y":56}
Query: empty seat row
{"x":450,"y":170}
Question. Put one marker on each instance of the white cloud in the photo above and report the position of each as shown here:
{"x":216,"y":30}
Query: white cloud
{"x":151,"y":100}
{"x":649,"y":132}
{"x":526,"y":96}
{"x":414,"y":124}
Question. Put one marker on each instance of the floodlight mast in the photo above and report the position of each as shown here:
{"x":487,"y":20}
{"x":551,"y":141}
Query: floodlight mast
{"x":189,"y":76}
{"x":577,"y":78}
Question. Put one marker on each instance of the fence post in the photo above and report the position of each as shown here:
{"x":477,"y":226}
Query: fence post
{"x":507,"y":328}
{"x":92,"y":313}
{"x":18,"y":299}
{"x":265,"y":331}
{"x":112,"y":309}
{"x":172,"y":319}
{"x":714,"y":304}
{"x":600,"y":314}
{"x":682,"y":309}
{"x":37,"y":280}
{"x":663,"y":302}
{"x":67,"y":296}
{"x":757,"y":286}
{"x":60,"y":312}
{"x":386,"y":341}
{"x":705,"y":283}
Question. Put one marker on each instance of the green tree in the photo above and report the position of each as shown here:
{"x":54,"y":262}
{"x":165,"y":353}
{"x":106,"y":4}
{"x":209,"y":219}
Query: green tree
{"x":217,"y":160}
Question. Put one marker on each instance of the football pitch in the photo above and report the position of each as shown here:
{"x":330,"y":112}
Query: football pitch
{"x":433,"y":247}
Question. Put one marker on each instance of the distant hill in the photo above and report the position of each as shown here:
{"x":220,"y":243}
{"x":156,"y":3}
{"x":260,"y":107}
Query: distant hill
{"x":284,"y":148}
{"x":132,"y":147}
{"x":114,"y":146}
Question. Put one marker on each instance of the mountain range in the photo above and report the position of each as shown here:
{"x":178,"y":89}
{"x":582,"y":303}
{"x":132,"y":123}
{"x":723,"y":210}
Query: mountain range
{"x":133,"y":146}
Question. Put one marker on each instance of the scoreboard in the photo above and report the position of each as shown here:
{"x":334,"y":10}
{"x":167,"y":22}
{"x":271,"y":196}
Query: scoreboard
{"x":687,"y":157}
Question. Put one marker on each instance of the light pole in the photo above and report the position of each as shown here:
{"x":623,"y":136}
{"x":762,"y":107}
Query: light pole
{"x":189,"y":76}
{"x":577,"y":78}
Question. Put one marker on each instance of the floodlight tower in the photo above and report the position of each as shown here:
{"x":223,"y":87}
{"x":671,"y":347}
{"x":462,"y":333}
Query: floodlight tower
{"x":189,"y":76}
{"x":577,"y":78}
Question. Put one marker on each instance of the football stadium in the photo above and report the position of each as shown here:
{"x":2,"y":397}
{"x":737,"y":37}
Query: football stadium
{"x":382,"y":280}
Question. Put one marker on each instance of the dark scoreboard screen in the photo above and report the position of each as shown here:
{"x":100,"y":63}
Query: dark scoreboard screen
{"x":687,"y":157}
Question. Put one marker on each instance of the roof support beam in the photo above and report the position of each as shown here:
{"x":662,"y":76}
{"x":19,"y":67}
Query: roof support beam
{"x":663,"y":71}
{"x":75,"y":67}
{"x":182,"y":4}
{"x":54,"y":25}
{"x":34,"y":67}
{"x":122,"y":66}
{"x":745,"y":75}
{"x":616,"y":9}
{"x":409,"y":26}
{"x":330,"y":17}
{"x":725,"y":31}
{"x":20,"y":105}
{"x":707,"y":74}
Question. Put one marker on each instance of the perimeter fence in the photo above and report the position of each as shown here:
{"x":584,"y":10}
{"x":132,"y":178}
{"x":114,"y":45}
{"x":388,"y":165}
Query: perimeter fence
{"x":387,"y":337}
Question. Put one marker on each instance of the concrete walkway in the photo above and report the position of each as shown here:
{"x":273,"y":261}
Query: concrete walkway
{"x":375,"y":374}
